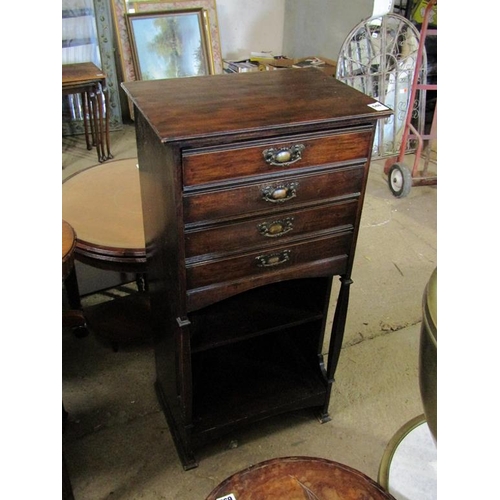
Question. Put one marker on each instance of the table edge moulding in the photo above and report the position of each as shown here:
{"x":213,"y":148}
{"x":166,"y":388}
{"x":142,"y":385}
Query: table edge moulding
{"x":252,"y":188}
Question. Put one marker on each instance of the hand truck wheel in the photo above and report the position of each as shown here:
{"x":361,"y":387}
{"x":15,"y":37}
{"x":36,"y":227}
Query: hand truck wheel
{"x":400,"y":180}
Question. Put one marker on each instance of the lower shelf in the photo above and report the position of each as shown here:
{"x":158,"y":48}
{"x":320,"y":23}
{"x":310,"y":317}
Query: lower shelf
{"x":255,"y":379}
{"x":247,"y":358}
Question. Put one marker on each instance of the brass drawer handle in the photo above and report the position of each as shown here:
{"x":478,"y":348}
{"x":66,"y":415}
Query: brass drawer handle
{"x":276,"y":227}
{"x":280,"y":193}
{"x":273,"y":259}
{"x":282,"y":157}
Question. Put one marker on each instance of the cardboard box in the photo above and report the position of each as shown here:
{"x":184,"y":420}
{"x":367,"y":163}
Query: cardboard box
{"x":328,"y":66}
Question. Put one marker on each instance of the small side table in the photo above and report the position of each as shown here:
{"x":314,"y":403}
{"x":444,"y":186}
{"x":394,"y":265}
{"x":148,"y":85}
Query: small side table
{"x":89,"y":81}
{"x":103,"y":204}
{"x":73,"y":317}
{"x":297,"y":478}
{"x":68,"y":248}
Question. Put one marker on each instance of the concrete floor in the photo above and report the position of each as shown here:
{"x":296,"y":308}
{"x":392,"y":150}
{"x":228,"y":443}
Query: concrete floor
{"x":117,"y":443}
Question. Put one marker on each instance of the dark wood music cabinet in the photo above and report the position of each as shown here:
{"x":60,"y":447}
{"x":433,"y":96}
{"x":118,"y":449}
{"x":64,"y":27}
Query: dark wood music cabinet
{"x":252,"y":187}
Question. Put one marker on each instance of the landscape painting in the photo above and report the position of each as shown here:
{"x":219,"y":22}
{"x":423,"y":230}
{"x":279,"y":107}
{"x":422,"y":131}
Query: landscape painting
{"x":169,"y":44}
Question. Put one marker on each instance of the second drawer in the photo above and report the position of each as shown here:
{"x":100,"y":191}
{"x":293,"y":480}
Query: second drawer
{"x":276,"y":195}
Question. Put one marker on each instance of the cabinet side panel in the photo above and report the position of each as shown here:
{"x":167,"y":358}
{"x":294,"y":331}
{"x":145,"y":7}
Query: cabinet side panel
{"x":158,"y":179}
{"x":162,"y":210}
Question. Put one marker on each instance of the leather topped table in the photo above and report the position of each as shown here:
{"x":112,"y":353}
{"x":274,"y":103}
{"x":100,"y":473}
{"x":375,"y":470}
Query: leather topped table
{"x":103,"y":204}
{"x":299,"y":478}
{"x":89,"y":81}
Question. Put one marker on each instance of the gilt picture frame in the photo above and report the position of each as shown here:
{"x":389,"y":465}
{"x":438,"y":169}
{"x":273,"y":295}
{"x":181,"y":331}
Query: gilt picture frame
{"x":123,"y":7}
{"x":169,"y":44}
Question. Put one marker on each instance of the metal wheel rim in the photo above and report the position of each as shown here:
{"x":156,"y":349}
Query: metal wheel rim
{"x":397,"y":180}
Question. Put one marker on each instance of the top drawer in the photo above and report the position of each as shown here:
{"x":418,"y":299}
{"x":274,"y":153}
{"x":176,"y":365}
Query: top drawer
{"x":219,"y":164}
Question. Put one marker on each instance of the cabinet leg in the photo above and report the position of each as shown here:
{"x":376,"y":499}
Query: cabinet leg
{"x":337,"y":337}
{"x":324,"y":417}
{"x":182,"y":445}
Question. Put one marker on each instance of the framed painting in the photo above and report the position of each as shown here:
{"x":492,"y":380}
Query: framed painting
{"x":122,"y":8}
{"x":169,"y":44}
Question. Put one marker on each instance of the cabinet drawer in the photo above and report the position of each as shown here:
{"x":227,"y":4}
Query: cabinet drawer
{"x":208,"y":166}
{"x":269,"y":230}
{"x":268,"y":260}
{"x":272,"y":195}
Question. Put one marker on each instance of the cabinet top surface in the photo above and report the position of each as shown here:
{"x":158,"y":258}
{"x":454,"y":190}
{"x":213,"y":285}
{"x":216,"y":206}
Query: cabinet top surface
{"x":188,"y":108}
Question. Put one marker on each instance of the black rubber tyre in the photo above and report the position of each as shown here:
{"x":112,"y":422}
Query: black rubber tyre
{"x":400,"y":180}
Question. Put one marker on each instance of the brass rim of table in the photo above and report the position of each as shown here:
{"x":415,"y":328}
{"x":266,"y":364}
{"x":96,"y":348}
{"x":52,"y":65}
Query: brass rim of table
{"x":392,"y":446}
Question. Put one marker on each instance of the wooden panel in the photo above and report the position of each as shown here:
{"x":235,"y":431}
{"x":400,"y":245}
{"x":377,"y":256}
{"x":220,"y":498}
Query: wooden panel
{"x":221,"y":164}
{"x":269,"y":230}
{"x":259,"y":104}
{"x":223,"y":204}
{"x":201,"y":297}
{"x":300,"y":477}
{"x":266,"y":260}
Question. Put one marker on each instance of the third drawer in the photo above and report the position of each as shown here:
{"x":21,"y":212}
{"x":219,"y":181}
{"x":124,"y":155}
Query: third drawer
{"x":269,"y":230}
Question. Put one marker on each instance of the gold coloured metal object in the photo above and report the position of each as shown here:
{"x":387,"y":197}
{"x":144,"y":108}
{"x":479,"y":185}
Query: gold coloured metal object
{"x":282,"y":157}
{"x":280,"y":193}
{"x":392,"y":446}
{"x":273,"y":259}
{"x":276,"y":228}
{"x":428,"y":354}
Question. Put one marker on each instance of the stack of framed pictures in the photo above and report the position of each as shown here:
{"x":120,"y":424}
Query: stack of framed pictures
{"x":167,"y":39}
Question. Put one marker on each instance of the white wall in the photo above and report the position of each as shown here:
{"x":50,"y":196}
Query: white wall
{"x":319,"y":27}
{"x":250,"y":26}
{"x":312,"y":26}
{"x":294,"y":28}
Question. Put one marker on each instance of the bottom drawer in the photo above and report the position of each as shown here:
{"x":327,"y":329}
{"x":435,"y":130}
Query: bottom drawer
{"x":269,"y":261}
{"x":198,"y":298}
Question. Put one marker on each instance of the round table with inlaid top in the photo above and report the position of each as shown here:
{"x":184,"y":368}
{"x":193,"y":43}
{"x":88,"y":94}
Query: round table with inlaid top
{"x":103,"y":204}
{"x":299,"y":478}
